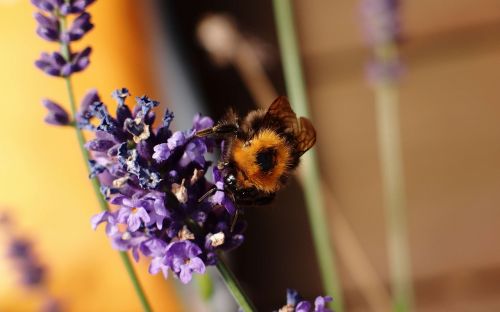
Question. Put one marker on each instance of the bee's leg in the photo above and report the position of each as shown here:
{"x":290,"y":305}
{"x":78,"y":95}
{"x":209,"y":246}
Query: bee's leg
{"x":208,"y":193}
{"x":235,"y":218}
{"x":264,"y":200}
{"x":221,"y":129}
{"x":256,"y":200}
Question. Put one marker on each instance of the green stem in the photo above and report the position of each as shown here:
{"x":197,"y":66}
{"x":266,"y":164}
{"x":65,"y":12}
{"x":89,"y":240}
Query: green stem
{"x":391,"y":164}
{"x":66,"y":52}
{"x":135,"y":281}
{"x":314,"y":200}
{"x":234,"y":286}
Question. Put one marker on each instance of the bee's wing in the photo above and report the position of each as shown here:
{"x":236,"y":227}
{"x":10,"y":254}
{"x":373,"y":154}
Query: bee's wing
{"x":306,"y":136}
{"x":281,"y":116}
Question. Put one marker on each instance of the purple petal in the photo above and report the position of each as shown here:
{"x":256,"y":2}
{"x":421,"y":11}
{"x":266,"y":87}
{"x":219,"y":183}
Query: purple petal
{"x":197,"y":265}
{"x":217,"y":175}
{"x":157,"y":264}
{"x":123,"y":214}
{"x":99,"y":145}
{"x":177,"y":139}
{"x":303,"y":306}
{"x":56,"y":114}
{"x":200,"y":123}
{"x":142,"y":214}
{"x":135,"y":254}
{"x":161,"y":152}
{"x":185,"y":275}
{"x":320,"y":304}
{"x":192,"y":250}
{"x":98,"y":219}
{"x":217,"y":198}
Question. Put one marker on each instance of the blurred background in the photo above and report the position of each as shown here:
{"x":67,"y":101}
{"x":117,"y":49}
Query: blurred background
{"x":450,"y":134}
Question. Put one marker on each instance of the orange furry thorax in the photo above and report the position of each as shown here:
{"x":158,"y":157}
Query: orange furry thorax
{"x":249,"y":173}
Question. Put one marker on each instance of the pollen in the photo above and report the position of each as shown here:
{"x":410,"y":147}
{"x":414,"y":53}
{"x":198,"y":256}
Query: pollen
{"x":217,"y":239}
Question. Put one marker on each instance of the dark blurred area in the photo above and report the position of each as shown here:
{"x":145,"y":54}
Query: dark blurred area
{"x":449,"y":120}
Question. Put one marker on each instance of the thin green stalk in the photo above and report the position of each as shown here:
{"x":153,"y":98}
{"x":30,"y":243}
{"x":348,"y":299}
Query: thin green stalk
{"x":135,"y":282}
{"x":391,"y":163}
{"x":234,"y":287}
{"x":230,"y":280}
{"x":65,"y":50}
{"x":314,"y":200}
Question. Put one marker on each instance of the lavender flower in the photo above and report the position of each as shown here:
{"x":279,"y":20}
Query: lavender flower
{"x":48,"y":27}
{"x":380,"y":20}
{"x":295,"y":304}
{"x":21,"y":253}
{"x":156,"y":179}
{"x":50,"y":20}
{"x":83,"y":116}
{"x":381,"y":26}
{"x":182,"y":258}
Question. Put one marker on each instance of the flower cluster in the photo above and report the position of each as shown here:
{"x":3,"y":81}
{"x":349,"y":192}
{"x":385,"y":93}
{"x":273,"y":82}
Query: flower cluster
{"x":295,"y":304}
{"x":156,"y":178}
{"x":381,"y":25}
{"x":52,"y":19}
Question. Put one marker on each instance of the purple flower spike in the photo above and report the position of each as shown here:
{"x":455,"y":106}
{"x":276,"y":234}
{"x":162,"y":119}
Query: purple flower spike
{"x":156,"y":179}
{"x":56,"y":115}
{"x":49,"y":28}
{"x":182,"y":259}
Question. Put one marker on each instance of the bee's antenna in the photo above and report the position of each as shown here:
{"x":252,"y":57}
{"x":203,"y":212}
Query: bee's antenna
{"x":205,"y":132}
{"x":208,"y":193}
{"x":221,"y":129}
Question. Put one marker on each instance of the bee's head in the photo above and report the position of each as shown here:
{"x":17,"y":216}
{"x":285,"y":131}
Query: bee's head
{"x":230,"y":182}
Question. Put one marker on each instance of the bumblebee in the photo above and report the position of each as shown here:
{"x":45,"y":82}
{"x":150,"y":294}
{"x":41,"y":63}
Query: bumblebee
{"x":261,"y":150}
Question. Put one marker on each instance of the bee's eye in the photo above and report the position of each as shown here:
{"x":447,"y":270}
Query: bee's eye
{"x":230,"y":180}
{"x":266,"y":159}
